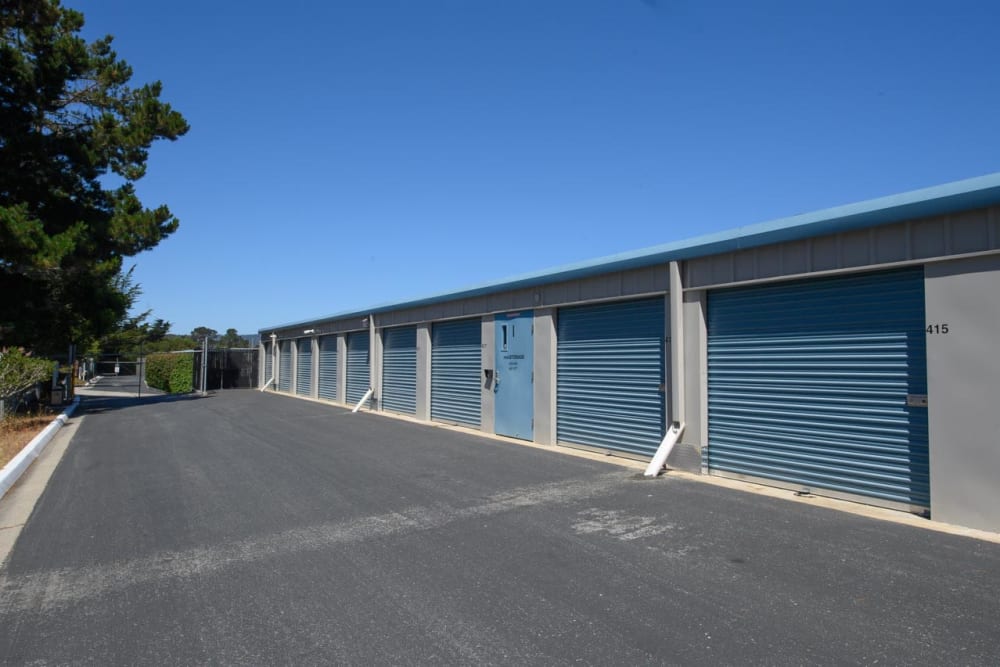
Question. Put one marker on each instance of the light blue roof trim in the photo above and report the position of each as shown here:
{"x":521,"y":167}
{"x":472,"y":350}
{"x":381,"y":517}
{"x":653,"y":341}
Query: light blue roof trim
{"x":963,"y":195}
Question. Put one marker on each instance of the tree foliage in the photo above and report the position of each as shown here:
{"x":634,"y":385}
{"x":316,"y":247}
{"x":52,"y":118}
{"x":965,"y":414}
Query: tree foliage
{"x":74,"y":139}
{"x":158,"y":330}
{"x":232,"y":339}
{"x":198,"y":333}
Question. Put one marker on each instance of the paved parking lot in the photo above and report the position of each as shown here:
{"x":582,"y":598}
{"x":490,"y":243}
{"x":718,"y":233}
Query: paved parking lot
{"x":244,"y":528}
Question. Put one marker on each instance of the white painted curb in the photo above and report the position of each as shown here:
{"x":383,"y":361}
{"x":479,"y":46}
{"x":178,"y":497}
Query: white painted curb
{"x":17,"y":465}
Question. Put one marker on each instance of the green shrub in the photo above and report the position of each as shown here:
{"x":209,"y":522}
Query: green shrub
{"x":18,"y":372}
{"x":173,"y":373}
{"x":158,"y":370}
{"x":182,"y":374}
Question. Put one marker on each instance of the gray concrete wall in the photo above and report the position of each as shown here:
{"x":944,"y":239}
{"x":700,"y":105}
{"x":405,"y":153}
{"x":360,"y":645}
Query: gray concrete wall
{"x":261,"y":351}
{"x":695,"y":383}
{"x":423,"y":406}
{"x":963,"y":374}
{"x":544,"y":369}
{"x":314,"y":375}
{"x":675,"y":345}
{"x":375,"y":367}
{"x":487,"y":421}
{"x":617,"y":284}
{"x":277,"y":363}
{"x":342,"y":368}
{"x":913,"y":241}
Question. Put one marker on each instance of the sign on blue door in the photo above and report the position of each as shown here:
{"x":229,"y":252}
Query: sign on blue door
{"x":512,"y":383}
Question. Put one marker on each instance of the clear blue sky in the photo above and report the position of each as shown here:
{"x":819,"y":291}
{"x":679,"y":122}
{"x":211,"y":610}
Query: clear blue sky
{"x":348,"y":154}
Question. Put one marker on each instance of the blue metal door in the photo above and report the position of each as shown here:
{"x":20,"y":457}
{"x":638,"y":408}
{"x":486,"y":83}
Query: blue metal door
{"x":456,"y":363}
{"x":513,"y":377}
{"x":303,"y":367}
{"x":285,"y":366}
{"x":610,"y":376}
{"x":328,"y":368}
{"x":819,"y":383}
{"x":399,"y":370}
{"x":358,"y":369}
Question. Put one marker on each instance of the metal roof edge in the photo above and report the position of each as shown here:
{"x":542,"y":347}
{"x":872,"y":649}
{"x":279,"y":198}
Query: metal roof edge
{"x":956,"y":196}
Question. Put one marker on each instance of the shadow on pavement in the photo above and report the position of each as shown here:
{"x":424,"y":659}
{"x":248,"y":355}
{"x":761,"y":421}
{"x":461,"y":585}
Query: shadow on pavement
{"x":96,"y":404}
{"x":116,"y":393}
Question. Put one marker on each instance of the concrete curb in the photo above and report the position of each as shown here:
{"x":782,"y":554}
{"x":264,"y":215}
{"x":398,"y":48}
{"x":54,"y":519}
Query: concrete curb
{"x":17,"y":465}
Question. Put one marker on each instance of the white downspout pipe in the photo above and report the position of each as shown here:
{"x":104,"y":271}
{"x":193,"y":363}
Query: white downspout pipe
{"x":663,"y":452}
{"x":364,"y":399}
{"x":274,"y":361}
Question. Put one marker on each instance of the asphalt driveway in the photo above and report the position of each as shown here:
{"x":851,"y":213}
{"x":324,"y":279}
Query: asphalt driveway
{"x":244,"y":528}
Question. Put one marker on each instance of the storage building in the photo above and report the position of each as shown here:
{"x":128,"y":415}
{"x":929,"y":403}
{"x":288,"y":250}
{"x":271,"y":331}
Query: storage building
{"x":852,"y":352}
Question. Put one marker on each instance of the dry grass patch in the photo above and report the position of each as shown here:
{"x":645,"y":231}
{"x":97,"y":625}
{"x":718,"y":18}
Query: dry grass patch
{"x":16,"y":431}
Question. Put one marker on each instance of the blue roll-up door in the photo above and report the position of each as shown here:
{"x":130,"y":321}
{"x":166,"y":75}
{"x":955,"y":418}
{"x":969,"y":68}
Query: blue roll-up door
{"x":358,"y":368}
{"x":456,"y":366}
{"x":808,"y":385}
{"x":328,"y":368}
{"x":268,"y":364}
{"x":303,"y":367}
{"x":285,"y":366}
{"x":399,"y":370}
{"x":610,"y":376}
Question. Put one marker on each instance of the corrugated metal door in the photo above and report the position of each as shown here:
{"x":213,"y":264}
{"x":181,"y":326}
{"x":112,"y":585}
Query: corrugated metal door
{"x":328,"y":368}
{"x":268,"y":364}
{"x":358,"y":369}
{"x":399,"y":370}
{"x":808,"y":385}
{"x":303,"y":367}
{"x":456,"y":366}
{"x":610,"y":376}
{"x":285,"y":366}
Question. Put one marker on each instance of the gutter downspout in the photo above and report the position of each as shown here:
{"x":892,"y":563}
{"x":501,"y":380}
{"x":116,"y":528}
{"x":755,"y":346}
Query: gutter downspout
{"x":371,"y":364}
{"x":274,"y":365}
{"x":364,"y":399}
{"x":663,"y":452}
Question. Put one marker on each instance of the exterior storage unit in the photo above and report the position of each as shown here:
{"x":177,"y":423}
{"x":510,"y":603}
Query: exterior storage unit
{"x":285,"y":366}
{"x":610,"y":376}
{"x":303,"y":367}
{"x":358,"y":370}
{"x":456,"y":366}
{"x":328,"y":368}
{"x":822,"y":384}
{"x":399,"y":370}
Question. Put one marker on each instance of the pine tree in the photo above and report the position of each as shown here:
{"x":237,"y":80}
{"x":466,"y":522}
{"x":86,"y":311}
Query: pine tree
{"x":74,"y":139}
